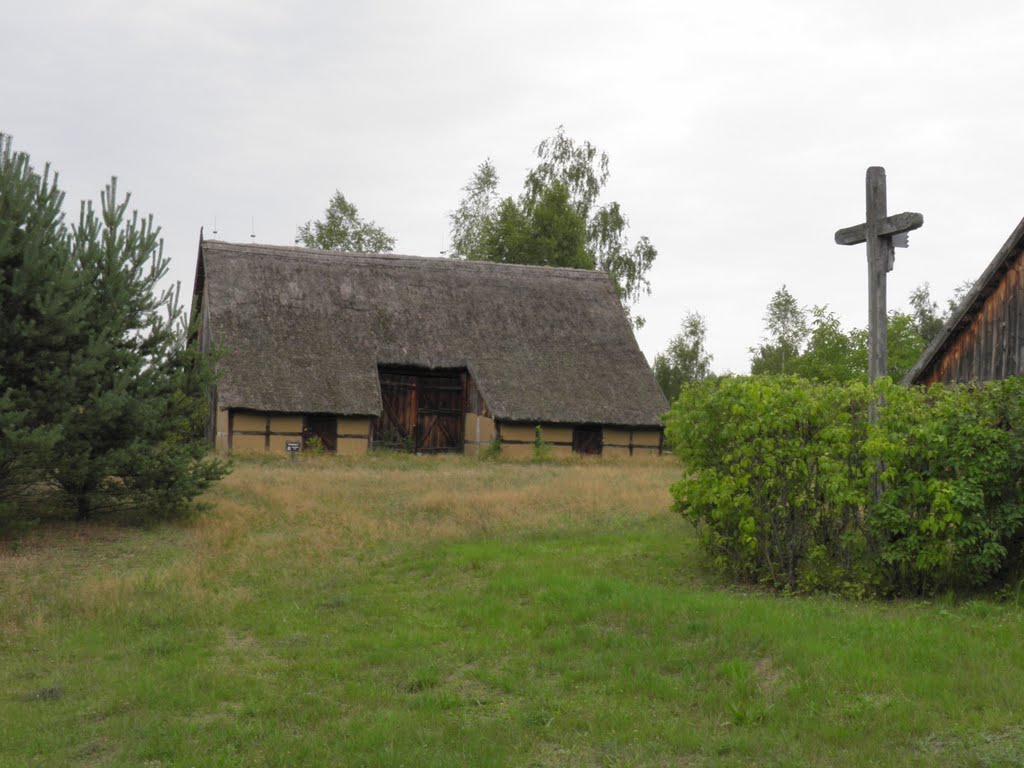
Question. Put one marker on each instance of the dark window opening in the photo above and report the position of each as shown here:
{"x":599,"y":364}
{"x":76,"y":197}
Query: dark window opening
{"x":587,"y":441}
{"x":324,"y":429}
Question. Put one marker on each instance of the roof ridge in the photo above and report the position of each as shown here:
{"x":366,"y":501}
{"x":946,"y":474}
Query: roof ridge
{"x":323,"y":256}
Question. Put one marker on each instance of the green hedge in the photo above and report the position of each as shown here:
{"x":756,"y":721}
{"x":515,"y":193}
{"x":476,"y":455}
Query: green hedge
{"x":789,"y":484}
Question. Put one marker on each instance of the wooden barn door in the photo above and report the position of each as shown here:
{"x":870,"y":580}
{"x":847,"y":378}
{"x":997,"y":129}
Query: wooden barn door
{"x":422,"y":411}
{"x":440,"y":416}
{"x":396,"y":427}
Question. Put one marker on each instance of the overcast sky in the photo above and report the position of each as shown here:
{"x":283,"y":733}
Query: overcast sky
{"x":738,"y":133}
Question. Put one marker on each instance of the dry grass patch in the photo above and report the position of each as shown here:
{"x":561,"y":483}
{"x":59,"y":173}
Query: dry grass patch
{"x":320,"y":507}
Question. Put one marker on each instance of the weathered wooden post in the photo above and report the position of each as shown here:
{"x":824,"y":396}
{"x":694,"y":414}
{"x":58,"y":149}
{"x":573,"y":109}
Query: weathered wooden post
{"x":881,"y":233}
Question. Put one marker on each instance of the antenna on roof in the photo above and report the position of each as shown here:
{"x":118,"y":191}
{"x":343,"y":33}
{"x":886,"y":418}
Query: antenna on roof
{"x":296,"y":234}
{"x":252,"y":230}
{"x":214,"y":226}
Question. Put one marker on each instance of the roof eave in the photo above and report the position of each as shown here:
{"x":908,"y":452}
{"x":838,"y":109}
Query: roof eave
{"x":970,"y":303}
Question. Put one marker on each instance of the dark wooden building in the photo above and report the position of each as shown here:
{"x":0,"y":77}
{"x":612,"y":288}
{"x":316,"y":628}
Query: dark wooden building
{"x":422,"y":354}
{"x":984,"y":338}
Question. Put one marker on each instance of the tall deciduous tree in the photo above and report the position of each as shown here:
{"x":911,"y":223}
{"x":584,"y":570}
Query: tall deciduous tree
{"x":557,"y":220}
{"x":905,"y":343}
{"x":926,"y":313}
{"x":342,"y":229}
{"x":686,"y":360}
{"x":476,"y":213}
{"x":786,"y":329}
{"x":953,"y":303}
{"x":831,"y":353}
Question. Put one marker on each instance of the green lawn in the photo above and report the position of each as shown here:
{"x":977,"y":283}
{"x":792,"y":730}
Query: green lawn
{"x":447,"y":612}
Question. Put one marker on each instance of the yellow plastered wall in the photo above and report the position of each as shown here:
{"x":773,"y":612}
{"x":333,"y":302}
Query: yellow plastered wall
{"x":614,"y":437}
{"x":350,"y":426}
{"x":221,"y":439}
{"x":353,"y":435}
{"x":519,"y":432}
{"x":526,"y":433}
{"x":479,"y":432}
{"x":278,"y":443}
{"x":249,"y":421}
{"x":615,"y":451}
{"x":352,"y":446}
{"x":290,"y":424}
{"x":523,"y":451}
{"x":650,"y":438}
{"x":516,"y":451}
{"x":248,"y":443}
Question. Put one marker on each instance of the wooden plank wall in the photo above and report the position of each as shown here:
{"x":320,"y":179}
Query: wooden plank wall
{"x":991,"y":345}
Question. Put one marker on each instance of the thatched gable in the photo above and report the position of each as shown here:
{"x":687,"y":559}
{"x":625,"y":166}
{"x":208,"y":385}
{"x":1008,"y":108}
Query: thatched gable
{"x":983,"y":339}
{"x":304,"y":331}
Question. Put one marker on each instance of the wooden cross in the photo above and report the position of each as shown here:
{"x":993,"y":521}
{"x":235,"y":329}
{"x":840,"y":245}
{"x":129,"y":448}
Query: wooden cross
{"x":881,"y":233}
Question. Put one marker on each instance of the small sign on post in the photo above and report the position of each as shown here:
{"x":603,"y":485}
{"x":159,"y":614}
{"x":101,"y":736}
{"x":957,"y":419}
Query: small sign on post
{"x":292,"y":446}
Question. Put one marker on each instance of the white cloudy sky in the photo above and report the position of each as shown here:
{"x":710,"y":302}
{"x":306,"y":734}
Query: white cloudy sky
{"x":738,"y":132}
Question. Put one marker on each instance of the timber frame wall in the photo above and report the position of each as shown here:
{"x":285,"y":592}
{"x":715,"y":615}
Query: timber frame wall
{"x":257,"y":431}
{"x":517,"y":439}
{"x":989,"y":344}
{"x":247,"y":430}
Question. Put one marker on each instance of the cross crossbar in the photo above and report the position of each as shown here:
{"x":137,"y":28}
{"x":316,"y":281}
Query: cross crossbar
{"x":892,"y":225}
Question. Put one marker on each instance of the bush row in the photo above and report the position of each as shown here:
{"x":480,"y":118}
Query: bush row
{"x":790,"y":484}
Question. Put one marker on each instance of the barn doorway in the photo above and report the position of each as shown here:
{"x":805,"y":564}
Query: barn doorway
{"x":422,"y":410}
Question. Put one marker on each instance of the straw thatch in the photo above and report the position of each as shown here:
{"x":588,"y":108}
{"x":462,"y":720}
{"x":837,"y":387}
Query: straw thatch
{"x":304,"y":331}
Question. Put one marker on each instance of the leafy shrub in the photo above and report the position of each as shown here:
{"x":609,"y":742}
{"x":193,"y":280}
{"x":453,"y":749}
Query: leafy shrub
{"x":541,"y":450}
{"x":789,"y":485}
{"x":951,"y":503}
{"x":492,"y":451}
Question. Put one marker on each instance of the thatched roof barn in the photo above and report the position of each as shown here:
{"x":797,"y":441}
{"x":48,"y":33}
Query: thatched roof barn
{"x":426,"y":353}
{"x":984,"y":338}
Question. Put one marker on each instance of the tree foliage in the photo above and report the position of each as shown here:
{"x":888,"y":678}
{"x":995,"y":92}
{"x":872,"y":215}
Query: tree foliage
{"x":40,"y":313}
{"x":342,"y":229}
{"x":812,"y":342}
{"x":686,"y":360}
{"x":471,"y":221}
{"x":787,"y":330}
{"x":558,"y":219}
{"x":925,"y":310}
{"x":98,"y":392}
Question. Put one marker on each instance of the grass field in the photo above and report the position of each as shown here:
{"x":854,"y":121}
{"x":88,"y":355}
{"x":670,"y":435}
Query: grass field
{"x":447,"y":612}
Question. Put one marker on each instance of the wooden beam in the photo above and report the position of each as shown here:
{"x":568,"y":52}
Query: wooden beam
{"x":892,"y":225}
{"x":879,"y":258}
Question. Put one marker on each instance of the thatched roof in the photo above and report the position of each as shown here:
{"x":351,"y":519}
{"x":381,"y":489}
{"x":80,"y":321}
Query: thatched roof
{"x":971,"y":304}
{"x":304,"y":331}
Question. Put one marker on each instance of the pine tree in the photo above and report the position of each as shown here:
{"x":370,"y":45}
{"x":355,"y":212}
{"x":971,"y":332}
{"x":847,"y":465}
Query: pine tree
{"x":128,"y":439}
{"x":42,"y":315}
{"x":99,"y":395}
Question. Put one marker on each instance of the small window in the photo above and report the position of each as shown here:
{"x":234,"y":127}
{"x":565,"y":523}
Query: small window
{"x":587,"y":440}
{"x":325,"y":429}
